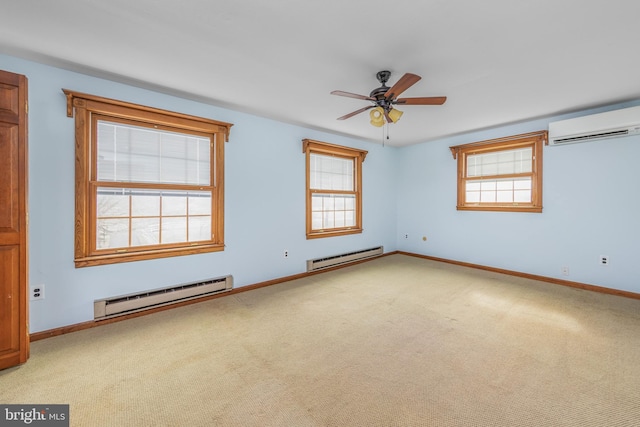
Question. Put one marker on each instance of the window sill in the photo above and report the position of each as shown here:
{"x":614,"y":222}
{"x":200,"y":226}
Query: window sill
{"x":105,"y":259}
{"x":332,"y":233}
{"x":531,"y":209}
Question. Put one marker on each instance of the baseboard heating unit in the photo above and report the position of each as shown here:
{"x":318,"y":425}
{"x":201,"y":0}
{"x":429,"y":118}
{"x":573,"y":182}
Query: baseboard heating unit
{"x":125,"y":304}
{"x":332,"y":261}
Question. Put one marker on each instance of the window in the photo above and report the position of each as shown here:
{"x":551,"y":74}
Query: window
{"x":149,"y":182}
{"x":502,"y":174}
{"x":334,"y":189}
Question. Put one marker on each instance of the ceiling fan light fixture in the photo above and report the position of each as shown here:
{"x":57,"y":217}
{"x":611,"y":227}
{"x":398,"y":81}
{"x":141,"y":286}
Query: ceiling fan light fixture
{"x":377,"y":116}
{"x":395,"y":115}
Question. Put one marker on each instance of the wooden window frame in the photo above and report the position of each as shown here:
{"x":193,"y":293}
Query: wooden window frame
{"x":87,"y":109}
{"x":535,"y":140}
{"x":322,"y":148}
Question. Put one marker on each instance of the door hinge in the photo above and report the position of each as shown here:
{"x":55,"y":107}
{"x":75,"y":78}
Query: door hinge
{"x":26,"y":107}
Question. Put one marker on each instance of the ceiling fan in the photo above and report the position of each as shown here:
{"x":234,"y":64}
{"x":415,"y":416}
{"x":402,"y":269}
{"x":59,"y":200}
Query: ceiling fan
{"x":384,"y":98}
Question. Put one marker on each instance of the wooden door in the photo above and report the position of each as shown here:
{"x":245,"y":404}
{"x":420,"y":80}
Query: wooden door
{"x":14,"y":331}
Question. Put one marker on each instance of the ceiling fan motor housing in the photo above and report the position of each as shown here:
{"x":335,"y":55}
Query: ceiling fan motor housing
{"x":378,"y":93}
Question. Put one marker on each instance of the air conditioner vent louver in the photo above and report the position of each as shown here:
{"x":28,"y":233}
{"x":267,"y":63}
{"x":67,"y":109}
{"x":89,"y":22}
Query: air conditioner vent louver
{"x":124,"y":304}
{"x":592,"y":136}
{"x":334,"y":260}
{"x":610,"y":124}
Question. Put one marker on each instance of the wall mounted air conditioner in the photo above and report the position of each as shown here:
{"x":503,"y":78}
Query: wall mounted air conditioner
{"x":610,"y":124}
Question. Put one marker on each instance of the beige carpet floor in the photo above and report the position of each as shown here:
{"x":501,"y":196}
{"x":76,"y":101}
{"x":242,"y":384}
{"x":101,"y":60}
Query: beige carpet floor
{"x":397,"y":341}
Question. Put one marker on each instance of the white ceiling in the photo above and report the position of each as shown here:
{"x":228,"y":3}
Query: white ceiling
{"x":497,"y":61}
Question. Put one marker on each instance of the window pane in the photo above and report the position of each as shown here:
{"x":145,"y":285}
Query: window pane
{"x":332,"y":210}
{"x":350,"y":203}
{"x":489,"y":164}
{"x":316,"y":202}
{"x":473,"y":186}
{"x":328,"y":219}
{"x":350,"y":218}
{"x":487,"y":196}
{"x":472,"y":196}
{"x":128,"y":153}
{"x":328,"y":203}
{"x":174,"y":203}
{"x":148,"y":220}
{"x":487,"y":185}
{"x":316,"y":220}
{"x":145,"y":204}
{"x":506,"y":162}
{"x":517,"y":190}
{"x":112,"y":233}
{"x":504,"y":196}
{"x":522,"y":196}
{"x":472,"y":167}
{"x":174,"y":230}
{"x":199,"y":203}
{"x":504,"y":185}
{"x":145,"y":231}
{"x":199,"y":228}
{"x":112,"y":203}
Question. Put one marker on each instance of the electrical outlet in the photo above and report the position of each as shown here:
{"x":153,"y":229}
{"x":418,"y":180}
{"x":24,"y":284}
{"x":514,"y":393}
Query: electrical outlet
{"x":406,"y":236}
{"x":604,"y":259}
{"x":565,"y":270}
{"x":37,"y":292}
{"x":286,"y":253}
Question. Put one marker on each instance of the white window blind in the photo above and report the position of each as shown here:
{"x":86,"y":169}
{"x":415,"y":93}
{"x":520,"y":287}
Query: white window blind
{"x":331,"y":173}
{"x":128,"y":153}
{"x":506,"y":162}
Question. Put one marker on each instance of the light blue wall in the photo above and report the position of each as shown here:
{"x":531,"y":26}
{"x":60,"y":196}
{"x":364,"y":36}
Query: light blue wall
{"x":264,"y":201}
{"x":590,"y":208}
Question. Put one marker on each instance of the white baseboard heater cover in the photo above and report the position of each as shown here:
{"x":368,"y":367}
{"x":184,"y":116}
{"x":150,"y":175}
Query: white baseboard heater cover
{"x":332,"y":261}
{"x":125,"y":304}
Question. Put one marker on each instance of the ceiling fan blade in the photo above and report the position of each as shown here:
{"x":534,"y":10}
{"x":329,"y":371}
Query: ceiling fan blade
{"x":401,"y":85}
{"x":346,"y":116}
{"x":352,"y":95}
{"x":426,"y":100}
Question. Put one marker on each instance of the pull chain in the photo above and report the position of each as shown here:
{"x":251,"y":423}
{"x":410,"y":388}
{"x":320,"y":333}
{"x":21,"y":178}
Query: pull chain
{"x":385,"y":128}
